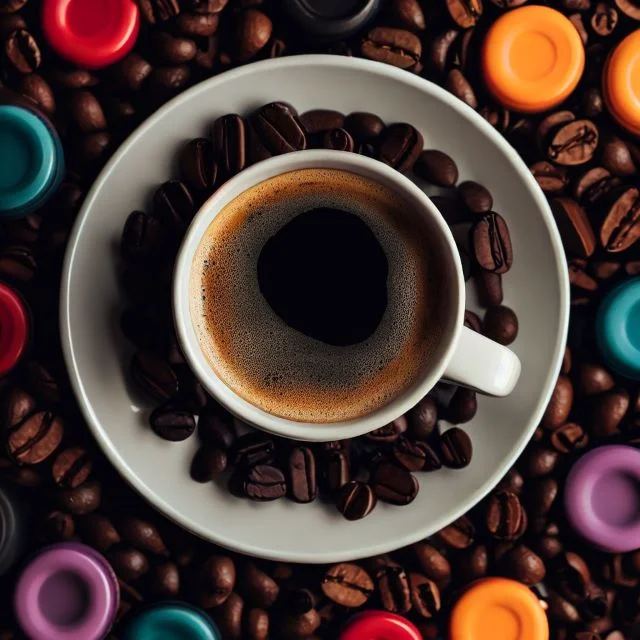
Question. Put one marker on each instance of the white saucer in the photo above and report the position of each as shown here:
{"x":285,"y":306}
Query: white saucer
{"x":97,"y":355}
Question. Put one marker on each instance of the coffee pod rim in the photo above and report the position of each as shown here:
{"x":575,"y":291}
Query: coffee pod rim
{"x":578,"y":492}
{"x":545,"y":92}
{"x":615,"y":315}
{"x":176,"y":612}
{"x":91,"y":51}
{"x":98,"y":577}
{"x":379,"y":625}
{"x":327,"y":28}
{"x":15,"y":328}
{"x":44,"y":170}
{"x":10,"y":535}
{"x":516,"y":599}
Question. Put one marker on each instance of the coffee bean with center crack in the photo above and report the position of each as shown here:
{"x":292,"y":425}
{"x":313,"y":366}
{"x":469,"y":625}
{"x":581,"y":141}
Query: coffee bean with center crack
{"x":303,"y":486}
{"x":492,"y":243}
{"x":460,"y":534}
{"x":356,"y":500}
{"x":391,"y":483}
{"x":551,"y":178}
{"x":396,"y":47}
{"x":251,"y":449}
{"x":265,"y":482}
{"x":16,"y":407}
{"x":434,"y":564}
{"x":274,"y":129}
{"x":36,"y":438}
{"x":57,"y":526}
{"x":142,"y":237}
{"x":81,"y":500}
{"x":159,"y":10}
{"x":71,"y":467}
{"x":348,"y":585}
{"x":505,"y":517}
{"x":338,"y":140}
{"x":620,"y":227}
{"x":465,"y":13}
{"x":455,"y":448}
{"x":321,"y":120}
{"x":569,"y":437}
{"x":400,"y":145}
{"x":573,"y":143}
{"x":173,"y":204}
{"x":218,"y":579}
{"x":425,"y":595}
{"x":229,"y":143}
{"x":198,"y":168}
{"x":393,"y":586}
{"x":154,"y":375}
{"x":172,"y":422}
{"x":22,"y":52}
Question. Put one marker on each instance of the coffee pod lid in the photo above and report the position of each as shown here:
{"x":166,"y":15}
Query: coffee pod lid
{"x":602,"y":498}
{"x":618,"y":328}
{"x":88,"y":33}
{"x":14,"y":328}
{"x":67,"y":592}
{"x":621,"y":83}
{"x":172,"y":621}
{"x":331,"y":19}
{"x":29,"y":161}
{"x":379,"y":625}
{"x":532,"y":58}
{"x":498,"y":609}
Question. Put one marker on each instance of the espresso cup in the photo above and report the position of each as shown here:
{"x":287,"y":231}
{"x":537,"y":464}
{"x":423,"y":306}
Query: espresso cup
{"x":461,"y":356}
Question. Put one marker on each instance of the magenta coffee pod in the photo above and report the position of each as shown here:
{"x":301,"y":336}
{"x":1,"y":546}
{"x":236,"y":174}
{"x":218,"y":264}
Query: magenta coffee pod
{"x":602,"y":498}
{"x":12,"y":529}
{"x":67,"y":592}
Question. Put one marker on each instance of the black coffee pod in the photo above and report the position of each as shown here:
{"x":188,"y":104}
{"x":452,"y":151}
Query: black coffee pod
{"x":331,"y":19}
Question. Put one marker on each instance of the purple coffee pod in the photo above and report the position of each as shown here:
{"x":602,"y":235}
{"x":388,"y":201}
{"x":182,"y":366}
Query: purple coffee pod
{"x":12,"y":529}
{"x":67,"y":592}
{"x":602,"y":498}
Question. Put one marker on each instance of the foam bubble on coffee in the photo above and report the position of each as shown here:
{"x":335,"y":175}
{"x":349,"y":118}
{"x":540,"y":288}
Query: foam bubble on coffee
{"x":279,"y":369}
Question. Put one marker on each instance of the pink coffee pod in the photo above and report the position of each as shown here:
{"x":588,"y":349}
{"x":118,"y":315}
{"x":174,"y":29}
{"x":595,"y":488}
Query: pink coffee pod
{"x":67,"y":592}
{"x":602,"y":498}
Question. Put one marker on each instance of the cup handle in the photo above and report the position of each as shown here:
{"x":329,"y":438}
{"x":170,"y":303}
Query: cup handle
{"x":483,"y":365}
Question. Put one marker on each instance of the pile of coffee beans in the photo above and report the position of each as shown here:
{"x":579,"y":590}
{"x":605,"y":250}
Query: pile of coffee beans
{"x":583,"y":161}
{"x":356,"y":473}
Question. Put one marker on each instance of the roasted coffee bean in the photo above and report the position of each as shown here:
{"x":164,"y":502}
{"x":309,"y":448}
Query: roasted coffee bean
{"x":592,"y":102}
{"x":36,"y":438}
{"x":264,"y":482}
{"x":159,"y":10}
{"x":472,"y":564}
{"x":437,"y":168}
{"x":228,"y":617}
{"x":169,"y":49}
{"x":131,"y":72}
{"x":207,"y":55}
{"x":302,"y":484}
{"x":390,"y":432}
{"x":578,"y":276}
{"x":154,"y":375}
{"x":573,"y":576}
{"x":492,"y":243}
{"x":363,"y":126}
{"x":251,"y":449}
{"x":355,"y":500}
{"x":348,"y":585}
{"x":501,"y":324}
{"x":425,"y":595}
{"x":86,"y":112}
{"x":25,"y":477}
{"x":71,"y":467}
{"x":604,"y":19}
{"x":258,"y":588}
{"x":460,"y":534}
{"x":253,"y":31}
{"x":560,"y":404}
{"x":275,"y":129}
{"x":621,"y":225}
{"x":462,"y":406}
{"x":397,"y":47}
{"x":465,"y":13}
{"x":338,"y":140}
{"x":57,"y":526}
{"x":569,"y":437}
{"x":36,"y":87}
{"x":17,"y":263}
{"x":394,"y":484}
{"x":505,"y":517}
{"x":400,"y":145}
{"x":165,"y":81}
{"x":439,"y":48}
{"x":616,"y":157}
{"x":299,"y":626}
{"x":455,"y":448}
{"x":434,"y":564}
{"x":630,"y":8}
{"x":81,"y":500}
{"x":522,"y":564}
{"x":22,"y":52}
{"x":197,"y":25}
{"x":422,"y":418}
{"x":393,"y":586}
{"x":164,"y":579}
{"x":538,"y":461}
{"x":475,"y":197}
{"x":129,"y":564}
{"x":607,"y":412}
{"x":551,"y":178}
{"x":216,"y":430}
{"x":173,"y":204}
{"x":408,"y":14}
{"x":10,"y":6}
{"x":229,"y":143}
{"x":142,"y":237}
{"x":547,"y":547}
{"x":92,"y":147}
{"x":16,"y":407}
{"x":566,"y":361}
{"x":412,"y":456}
{"x":561,"y":610}
{"x":98,"y":531}
{"x":573,"y":143}
{"x":207,"y":464}
{"x":256,"y":624}
{"x":321,"y":120}
{"x":142,"y":535}
{"x":489,"y":288}
{"x":471,"y":319}
{"x":218,"y":579}
{"x":594,"y":184}
{"x":338,"y":472}
{"x":512,"y":481}
{"x":457,"y":84}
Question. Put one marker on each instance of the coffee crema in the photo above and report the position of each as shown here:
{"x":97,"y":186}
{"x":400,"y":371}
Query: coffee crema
{"x":364,"y":352}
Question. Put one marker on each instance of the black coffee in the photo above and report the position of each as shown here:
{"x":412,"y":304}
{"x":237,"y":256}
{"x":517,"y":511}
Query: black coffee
{"x":315,"y":295}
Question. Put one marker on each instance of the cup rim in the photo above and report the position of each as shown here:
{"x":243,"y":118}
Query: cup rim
{"x":249,"y":413}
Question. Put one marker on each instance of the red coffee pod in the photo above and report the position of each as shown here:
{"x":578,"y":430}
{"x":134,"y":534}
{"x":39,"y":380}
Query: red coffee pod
{"x":90,"y":33}
{"x":14,"y":328}
{"x":379,"y":625}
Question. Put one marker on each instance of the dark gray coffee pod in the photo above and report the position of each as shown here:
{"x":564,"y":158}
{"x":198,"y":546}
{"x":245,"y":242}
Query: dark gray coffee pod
{"x":12,"y":529}
{"x":331,"y":19}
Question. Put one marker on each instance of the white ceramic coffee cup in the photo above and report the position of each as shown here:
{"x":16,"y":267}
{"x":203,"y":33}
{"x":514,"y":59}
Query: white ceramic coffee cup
{"x":462,"y":355}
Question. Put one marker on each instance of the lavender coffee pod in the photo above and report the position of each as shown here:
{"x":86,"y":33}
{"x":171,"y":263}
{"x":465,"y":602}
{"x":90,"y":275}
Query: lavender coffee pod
{"x":67,"y":592}
{"x":602,"y":498}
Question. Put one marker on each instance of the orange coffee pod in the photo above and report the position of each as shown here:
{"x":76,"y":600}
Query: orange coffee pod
{"x":532,"y":59}
{"x":621,"y":83}
{"x":498,"y":609}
